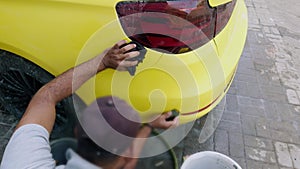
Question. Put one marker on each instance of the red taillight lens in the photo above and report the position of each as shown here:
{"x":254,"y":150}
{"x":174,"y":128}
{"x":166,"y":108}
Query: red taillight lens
{"x":175,"y":26}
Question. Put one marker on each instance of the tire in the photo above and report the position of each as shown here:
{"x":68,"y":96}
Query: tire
{"x":20,"y":79}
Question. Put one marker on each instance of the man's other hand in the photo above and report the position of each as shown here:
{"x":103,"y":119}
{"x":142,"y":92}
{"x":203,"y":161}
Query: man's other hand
{"x":162,"y":123}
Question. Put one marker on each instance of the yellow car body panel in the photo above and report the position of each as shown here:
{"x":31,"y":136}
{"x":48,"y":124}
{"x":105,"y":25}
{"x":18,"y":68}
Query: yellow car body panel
{"x":215,"y":3}
{"x":53,"y":33}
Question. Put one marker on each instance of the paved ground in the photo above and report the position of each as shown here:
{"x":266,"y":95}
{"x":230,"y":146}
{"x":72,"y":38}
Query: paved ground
{"x":260,"y":127}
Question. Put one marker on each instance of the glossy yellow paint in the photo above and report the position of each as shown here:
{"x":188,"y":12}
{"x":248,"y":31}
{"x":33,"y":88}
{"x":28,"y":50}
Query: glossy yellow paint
{"x":215,"y":3}
{"x":51,"y":33}
{"x":58,"y":34}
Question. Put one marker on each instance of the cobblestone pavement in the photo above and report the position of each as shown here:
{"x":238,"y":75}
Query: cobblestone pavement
{"x":260,"y":126}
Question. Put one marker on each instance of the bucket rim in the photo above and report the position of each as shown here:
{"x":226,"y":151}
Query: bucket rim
{"x":213,"y":154}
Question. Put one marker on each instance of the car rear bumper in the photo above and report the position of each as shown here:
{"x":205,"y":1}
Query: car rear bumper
{"x":193,"y":82}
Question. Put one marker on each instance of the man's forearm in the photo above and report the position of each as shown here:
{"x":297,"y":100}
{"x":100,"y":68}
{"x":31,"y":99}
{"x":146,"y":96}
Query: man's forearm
{"x":56,"y":90}
{"x":64,"y":85}
{"x":41,"y":109}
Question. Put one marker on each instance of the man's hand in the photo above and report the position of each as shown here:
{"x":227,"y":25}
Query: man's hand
{"x":115,"y":57}
{"x":162,"y":123}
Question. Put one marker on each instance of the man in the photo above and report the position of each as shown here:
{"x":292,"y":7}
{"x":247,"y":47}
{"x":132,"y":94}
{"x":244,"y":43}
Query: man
{"x":29,"y":145}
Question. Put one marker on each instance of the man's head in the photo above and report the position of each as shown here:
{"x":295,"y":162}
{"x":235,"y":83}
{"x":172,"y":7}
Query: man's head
{"x":107,"y":128}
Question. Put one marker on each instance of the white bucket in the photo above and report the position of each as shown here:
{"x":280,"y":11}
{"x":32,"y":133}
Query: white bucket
{"x":209,"y":160}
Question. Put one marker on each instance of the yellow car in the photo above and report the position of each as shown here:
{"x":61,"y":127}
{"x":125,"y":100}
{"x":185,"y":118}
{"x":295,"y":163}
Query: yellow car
{"x":193,"y":48}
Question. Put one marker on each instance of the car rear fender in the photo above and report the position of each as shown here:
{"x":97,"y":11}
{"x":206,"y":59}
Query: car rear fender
{"x":51,"y":33}
{"x":231,"y":40}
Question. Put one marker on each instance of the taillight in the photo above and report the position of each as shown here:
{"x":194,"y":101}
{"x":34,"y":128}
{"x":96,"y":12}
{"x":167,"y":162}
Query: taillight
{"x":175,"y":26}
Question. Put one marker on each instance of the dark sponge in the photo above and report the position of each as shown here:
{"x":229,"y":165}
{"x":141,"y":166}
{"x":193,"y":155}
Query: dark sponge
{"x":138,"y":58}
{"x":175,"y":113}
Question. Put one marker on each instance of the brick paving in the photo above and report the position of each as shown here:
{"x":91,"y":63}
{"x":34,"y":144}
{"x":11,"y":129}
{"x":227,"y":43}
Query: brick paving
{"x":260,"y":125}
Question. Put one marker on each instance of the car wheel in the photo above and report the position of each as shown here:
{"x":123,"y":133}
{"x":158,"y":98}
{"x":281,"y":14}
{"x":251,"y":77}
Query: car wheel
{"x":20,"y":79}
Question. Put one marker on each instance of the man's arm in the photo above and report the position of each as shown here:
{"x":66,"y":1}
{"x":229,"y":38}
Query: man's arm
{"x":41,"y":109}
{"x":137,"y":146}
